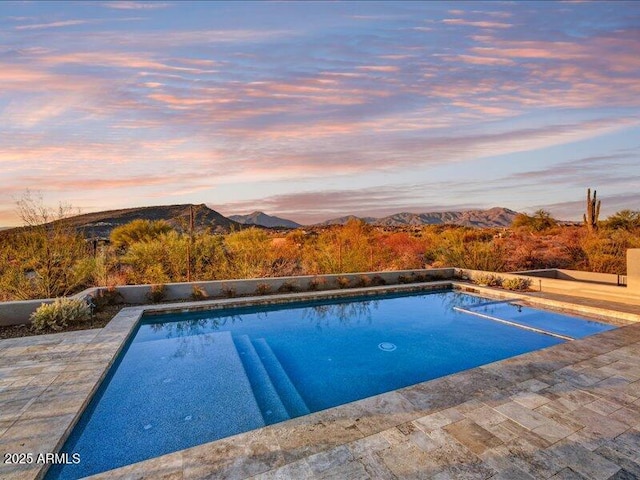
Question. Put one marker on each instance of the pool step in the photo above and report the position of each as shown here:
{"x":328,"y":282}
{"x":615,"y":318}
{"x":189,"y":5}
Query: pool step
{"x":271,"y":406}
{"x":289,"y":395}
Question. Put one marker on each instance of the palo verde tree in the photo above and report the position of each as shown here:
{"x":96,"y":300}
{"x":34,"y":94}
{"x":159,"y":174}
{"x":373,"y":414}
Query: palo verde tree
{"x":48,"y":258}
{"x":541,"y":220}
{"x":138,"y":231}
{"x":623,"y":220}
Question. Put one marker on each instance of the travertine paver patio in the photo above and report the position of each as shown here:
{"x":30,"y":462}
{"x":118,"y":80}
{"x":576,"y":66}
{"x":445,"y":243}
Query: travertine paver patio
{"x":570,"y":411}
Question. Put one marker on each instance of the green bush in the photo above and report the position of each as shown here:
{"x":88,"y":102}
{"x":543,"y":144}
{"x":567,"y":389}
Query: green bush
{"x":516,"y":284}
{"x":59,"y":314}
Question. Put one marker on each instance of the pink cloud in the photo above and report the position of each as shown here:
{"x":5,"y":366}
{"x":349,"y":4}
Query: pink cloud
{"x":378,"y":68}
{"x":116,"y":59}
{"x":479,"y":24}
{"x":125,"y":5}
{"x":483,"y":60}
{"x":40,"y":26}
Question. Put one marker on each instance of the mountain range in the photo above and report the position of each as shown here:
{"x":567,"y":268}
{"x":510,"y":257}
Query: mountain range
{"x":100,"y":224}
{"x":263,"y":220}
{"x":493,"y":217}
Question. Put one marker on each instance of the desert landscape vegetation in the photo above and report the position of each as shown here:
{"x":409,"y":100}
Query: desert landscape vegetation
{"x":56,"y":253}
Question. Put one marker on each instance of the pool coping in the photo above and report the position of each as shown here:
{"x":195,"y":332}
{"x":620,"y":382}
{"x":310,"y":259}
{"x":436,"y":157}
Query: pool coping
{"x":321,"y":431}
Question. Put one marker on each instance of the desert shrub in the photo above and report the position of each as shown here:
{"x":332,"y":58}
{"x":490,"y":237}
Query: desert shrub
{"x":340,"y":249}
{"x":519,"y":284}
{"x":263,"y":288}
{"x":488,"y":279}
{"x":606,"y":250}
{"x":228,"y":291}
{"x":250,"y":253}
{"x":475,"y":255}
{"x":198,"y":293}
{"x":287,"y":287}
{"x":377,"y":281}
{"x":363,"y":281}
{"x":138,"y":231}
{"x":156,"y":293}
{"x":343,"y":282}
{"x":399,"y":251}
{"x":623,"y":220}
{"x":541,"y":220}
{"x":159,"y":260}
{"x":404,"y":279}
{"x":57,"y":315}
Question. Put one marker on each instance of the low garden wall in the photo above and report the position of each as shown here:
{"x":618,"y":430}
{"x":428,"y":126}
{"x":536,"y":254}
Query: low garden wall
{"x":17,"y":313}
{"x":633,"y":270}
{"x":574,"y":275}
{"x":596,"y":291}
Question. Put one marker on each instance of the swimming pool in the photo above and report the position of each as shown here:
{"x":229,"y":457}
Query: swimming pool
{"x":187,"y":379}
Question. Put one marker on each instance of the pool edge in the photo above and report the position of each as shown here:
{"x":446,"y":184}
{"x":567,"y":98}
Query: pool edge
{"x":109,"y":341}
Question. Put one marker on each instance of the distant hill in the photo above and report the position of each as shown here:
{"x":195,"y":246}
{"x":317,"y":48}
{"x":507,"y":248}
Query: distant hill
{"x":263,"y":220}
{"x":494,"y":217}
{"x":100,"y":224}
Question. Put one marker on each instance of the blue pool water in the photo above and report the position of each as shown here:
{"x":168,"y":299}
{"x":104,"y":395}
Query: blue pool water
{"x":548,"y":321}
{"x":187,"y":379}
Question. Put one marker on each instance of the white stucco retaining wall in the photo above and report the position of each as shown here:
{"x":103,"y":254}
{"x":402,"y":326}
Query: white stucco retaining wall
{"x":17,"y":313}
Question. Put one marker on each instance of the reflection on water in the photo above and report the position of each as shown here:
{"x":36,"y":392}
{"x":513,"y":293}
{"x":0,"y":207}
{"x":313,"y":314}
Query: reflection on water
{"x":191,"y":336}
{"x":450,"y":300}
{"x":195,"y":346}
{"x":345,"y":313}
{"x":495,"y":308}
{"x":185,"y":328}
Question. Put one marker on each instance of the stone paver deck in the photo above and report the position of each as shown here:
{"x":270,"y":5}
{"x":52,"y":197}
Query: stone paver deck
{"x":571,"y":411}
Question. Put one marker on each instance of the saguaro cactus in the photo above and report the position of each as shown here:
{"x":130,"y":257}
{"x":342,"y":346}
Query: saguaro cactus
{"x":593,"y":211}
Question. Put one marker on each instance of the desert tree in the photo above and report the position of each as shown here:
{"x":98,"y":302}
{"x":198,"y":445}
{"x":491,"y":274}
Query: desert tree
{"x":48,"y":257}
{"x":139,"y":230}
{"x":623,"y":220}
{"x":540,"y":220}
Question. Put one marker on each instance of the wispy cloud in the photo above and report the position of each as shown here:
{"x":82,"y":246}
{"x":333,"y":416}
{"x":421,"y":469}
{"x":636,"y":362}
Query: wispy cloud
{"x":58,"y":24}
{"x":124,"y":5}
{"x":401,"y":92}
{"x":476,"y":23}
{"x":378,"y":68}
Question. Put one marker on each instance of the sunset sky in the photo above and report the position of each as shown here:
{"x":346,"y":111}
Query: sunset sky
{"x":316,"y":110}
